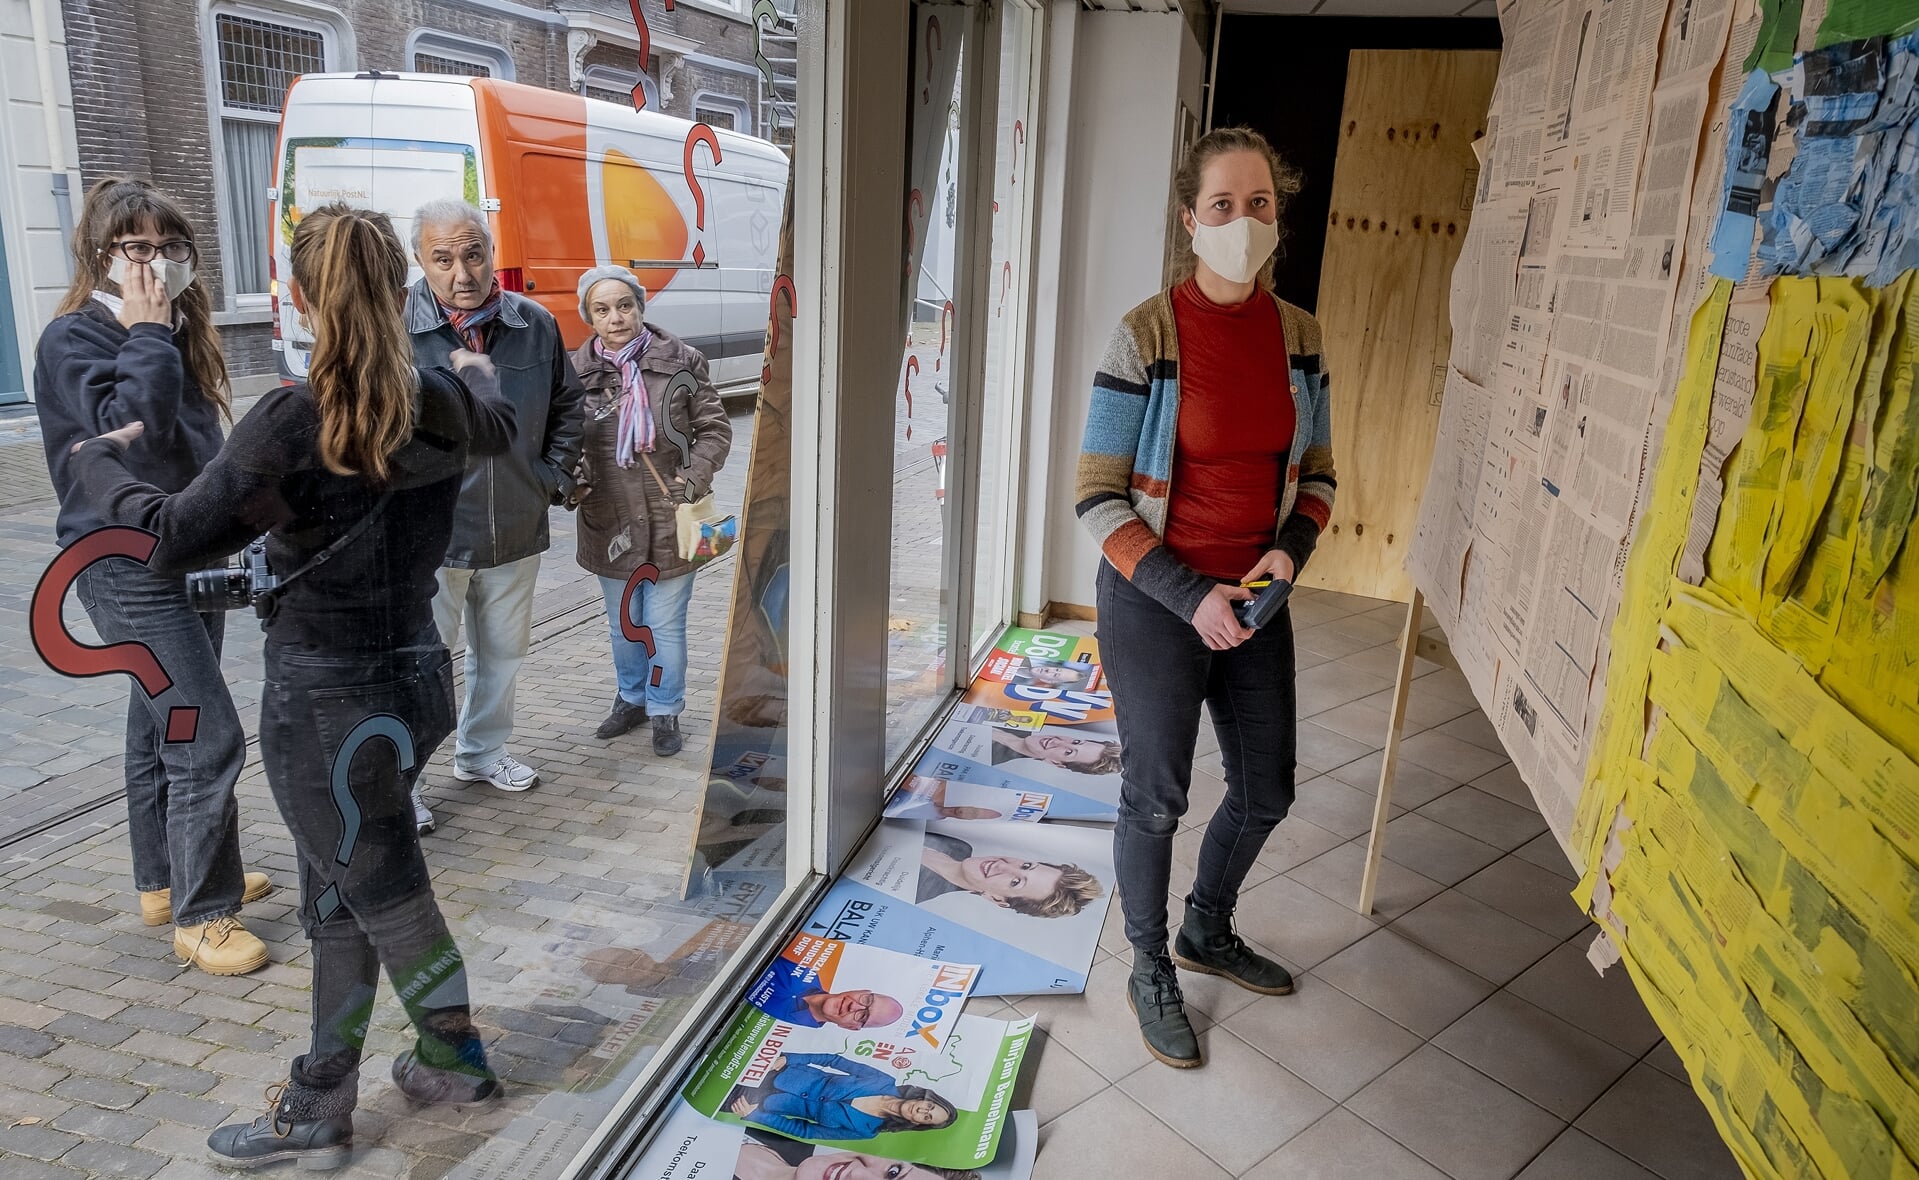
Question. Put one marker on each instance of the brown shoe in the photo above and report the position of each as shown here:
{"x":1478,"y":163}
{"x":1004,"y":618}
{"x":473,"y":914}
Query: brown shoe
{"x":220,"y":947}
{"x":156,"y":905}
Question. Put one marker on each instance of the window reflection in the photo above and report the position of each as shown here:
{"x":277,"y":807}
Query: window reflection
{"x":608,"y":821}
{"x":918,"y":676}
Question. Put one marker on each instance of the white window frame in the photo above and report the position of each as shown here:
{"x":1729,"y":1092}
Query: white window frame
{"x":338,"y":51}
{"x":497,"y":60}
{"x":720,"y":100}
{"x":735,"y":9}
{"x":605,"y":77}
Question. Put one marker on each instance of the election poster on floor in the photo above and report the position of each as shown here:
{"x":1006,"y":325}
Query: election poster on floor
{"x":690,"y":1146}
{"x":1047,"y":672}
{"x":1077,"y":764}
{"x":937,"y":1093}
{"x":1026,"y":901}
{"x":1038,"y":718}
{"x":818,"y":982}
{"x":920,"y":797}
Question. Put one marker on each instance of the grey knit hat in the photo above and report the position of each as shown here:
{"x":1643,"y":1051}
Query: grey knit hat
{"x":601,"y":274}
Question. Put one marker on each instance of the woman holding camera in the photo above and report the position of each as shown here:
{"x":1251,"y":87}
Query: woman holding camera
{"x":353,"y":476}
{"x":1207,"y":463}
{"x":651,"y":445}
{"x":135,"y":342}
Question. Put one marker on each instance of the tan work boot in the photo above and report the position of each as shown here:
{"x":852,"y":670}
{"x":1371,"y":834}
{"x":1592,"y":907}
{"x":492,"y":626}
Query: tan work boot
{"x":156,"y":905}
{"x":220,"y":947}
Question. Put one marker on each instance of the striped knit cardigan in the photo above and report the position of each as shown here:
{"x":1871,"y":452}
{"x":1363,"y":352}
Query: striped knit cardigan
{"x":1126,"y":458}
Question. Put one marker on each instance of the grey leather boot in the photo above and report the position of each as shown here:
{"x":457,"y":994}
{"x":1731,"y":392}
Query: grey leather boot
{"x":1153,"y":991}
{"x":314,"y":1127}
{"x":1206,"y":944}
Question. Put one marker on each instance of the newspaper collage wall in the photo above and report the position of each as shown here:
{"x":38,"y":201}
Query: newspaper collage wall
{"x":1669,"y":530}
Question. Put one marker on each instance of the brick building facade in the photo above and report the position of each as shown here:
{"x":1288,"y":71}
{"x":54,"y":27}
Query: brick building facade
{"x":187,"y":93}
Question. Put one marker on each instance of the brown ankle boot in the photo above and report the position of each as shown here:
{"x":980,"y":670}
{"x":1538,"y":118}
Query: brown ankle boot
{"x":220,"y":947}
{"x":156,"y":905}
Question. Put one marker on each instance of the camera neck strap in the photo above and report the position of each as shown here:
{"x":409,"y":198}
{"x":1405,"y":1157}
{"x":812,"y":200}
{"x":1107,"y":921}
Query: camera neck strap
{"x":331,"y":551}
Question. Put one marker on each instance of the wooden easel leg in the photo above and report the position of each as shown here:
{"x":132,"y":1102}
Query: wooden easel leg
{"x":1389,"y":761}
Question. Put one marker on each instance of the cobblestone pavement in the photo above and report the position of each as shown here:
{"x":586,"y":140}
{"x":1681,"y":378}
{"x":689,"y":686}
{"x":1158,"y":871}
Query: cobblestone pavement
{"x":115,"y":1060}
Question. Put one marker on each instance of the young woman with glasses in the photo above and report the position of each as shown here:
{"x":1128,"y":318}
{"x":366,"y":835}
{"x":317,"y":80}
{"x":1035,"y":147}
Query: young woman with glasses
{"x":135,"y":342}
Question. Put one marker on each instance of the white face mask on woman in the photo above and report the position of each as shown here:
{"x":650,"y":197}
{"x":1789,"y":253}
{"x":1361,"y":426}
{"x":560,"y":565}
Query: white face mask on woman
{"x":1235,"y":251}
{"x":174,"y":276}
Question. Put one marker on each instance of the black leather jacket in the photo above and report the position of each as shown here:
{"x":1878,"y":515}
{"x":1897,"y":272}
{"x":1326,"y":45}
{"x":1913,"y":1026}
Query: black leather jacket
{"x":503,"y":502}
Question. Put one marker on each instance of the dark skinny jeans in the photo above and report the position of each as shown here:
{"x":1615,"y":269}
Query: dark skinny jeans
{"x":1160,"y":672}
{"x":377,"y":909}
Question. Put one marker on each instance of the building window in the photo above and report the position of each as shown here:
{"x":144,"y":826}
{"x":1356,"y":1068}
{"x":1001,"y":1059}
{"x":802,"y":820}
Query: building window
{"x":432,"y":52}
{"x":432,"y":63}
{"x":258,"y":60}
{"x":722,"y":111}
{"x":612,"y":84}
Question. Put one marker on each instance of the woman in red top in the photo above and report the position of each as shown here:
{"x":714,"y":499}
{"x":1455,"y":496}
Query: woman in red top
{"x":1205,"y":466}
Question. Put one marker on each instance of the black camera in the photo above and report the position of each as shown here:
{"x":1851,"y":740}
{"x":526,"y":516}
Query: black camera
{"x":249,"y":581}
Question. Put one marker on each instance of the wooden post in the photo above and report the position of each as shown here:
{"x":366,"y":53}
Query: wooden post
{"x":1389,"y":760}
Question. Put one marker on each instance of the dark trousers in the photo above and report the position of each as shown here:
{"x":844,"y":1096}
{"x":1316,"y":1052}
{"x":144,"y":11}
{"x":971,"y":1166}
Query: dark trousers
{"x":1160,"y":671}
{"x":182,"y":820}
{"x":365,"y":898}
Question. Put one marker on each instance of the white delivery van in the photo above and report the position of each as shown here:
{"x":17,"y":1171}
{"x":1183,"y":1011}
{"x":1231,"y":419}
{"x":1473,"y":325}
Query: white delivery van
{"x":568,"y":183}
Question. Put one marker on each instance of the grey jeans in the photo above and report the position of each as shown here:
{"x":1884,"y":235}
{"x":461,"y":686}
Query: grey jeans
{"x":182,"y":819}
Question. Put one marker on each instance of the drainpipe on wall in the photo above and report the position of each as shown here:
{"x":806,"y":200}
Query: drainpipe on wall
{"x":50,"y":111}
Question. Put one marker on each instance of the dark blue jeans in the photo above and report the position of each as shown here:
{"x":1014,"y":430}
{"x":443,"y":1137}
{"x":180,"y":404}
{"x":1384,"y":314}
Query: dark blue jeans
{"x":182,"y":820}
{"x":365,"y":898}
{"x":1160,"y":672}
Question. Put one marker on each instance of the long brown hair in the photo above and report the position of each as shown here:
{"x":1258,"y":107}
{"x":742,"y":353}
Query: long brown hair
{"x":350,"y":266}
{"x":114,"y":208}
{"x":1209,"y":147}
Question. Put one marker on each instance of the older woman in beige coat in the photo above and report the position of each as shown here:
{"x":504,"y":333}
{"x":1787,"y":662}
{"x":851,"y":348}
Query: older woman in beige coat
{"x":651,"y":444}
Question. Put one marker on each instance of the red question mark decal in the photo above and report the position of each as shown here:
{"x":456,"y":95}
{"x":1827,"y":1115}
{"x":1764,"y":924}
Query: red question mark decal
{"x":933,"y":39}
{"x":782,"y":284}
{"x":646,"y":51}
{"x":1006,"y":281}
{"x":1019,"y":137}
{"x":700,"y":133}
{"x":917,"y":205}
{"x":635,"y":632}
{"x":946,"y":317}
{"x":69,"y":657}
{"x":912,"y":371}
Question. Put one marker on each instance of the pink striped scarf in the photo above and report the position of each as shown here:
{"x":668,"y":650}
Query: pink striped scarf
{"x":635,"y":428}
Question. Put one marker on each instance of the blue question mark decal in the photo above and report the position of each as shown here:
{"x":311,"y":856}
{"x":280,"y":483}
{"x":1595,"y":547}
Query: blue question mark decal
{"x":380,"y":725}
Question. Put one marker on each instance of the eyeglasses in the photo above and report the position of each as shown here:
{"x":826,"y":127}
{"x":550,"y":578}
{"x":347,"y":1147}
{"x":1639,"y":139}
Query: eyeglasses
{"x":178,"y":250}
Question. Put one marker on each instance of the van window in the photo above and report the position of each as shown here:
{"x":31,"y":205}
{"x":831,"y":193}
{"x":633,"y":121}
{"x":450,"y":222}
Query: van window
{"x":395,"y":176}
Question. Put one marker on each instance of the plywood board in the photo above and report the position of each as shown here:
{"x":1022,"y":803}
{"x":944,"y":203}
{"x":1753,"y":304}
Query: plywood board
{"x":1402,"y":192}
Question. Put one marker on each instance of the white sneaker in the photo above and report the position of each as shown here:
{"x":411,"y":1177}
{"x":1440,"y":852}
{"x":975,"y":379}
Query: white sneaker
{"x":505,"y":772}
{"x":422,"y":815}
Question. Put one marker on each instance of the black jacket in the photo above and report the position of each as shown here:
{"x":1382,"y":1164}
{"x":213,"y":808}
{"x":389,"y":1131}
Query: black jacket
{"x":91,"y":375}
{"x":377,"y":592}
{"x":502,"y":516}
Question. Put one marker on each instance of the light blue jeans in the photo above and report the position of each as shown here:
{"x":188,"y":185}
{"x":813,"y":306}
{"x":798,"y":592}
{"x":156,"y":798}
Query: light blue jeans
{"x":660,"y":606}
{"x":496,"y":605}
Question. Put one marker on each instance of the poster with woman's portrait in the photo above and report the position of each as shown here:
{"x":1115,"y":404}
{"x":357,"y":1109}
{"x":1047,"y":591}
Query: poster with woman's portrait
{"x":1026,"y":901}
{"x":690,"y":1145}
{"x":1078,"y":765}
{"x":937,"y":1100}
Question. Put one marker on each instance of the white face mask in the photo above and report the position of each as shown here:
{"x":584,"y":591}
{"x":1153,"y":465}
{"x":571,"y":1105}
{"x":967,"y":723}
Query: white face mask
{"x":1235,"y":251}
{"x":174,"y":276}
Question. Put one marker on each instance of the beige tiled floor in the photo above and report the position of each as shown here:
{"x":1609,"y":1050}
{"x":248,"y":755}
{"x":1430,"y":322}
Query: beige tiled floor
{"x":1458,"y":1032}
